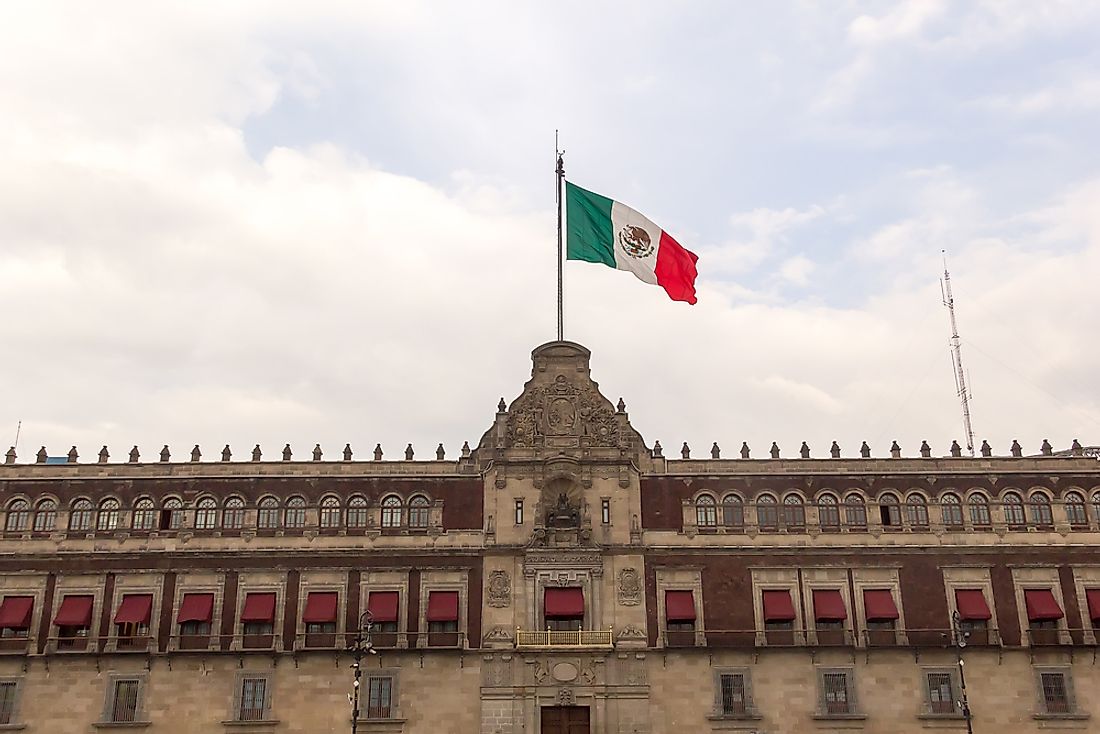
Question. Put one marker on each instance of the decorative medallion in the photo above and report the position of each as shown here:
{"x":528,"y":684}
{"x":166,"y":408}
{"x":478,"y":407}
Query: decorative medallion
{"x":500,"y":589}
{"x":630,"y":587}
{"x":564,"y":672}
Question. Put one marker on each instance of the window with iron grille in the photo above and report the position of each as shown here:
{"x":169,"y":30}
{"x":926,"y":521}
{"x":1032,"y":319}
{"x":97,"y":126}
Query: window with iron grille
{"x":8,"y":691}
{"x":253,"y":698}
{"x":941,"y":693}
{"x":124,"y":700}
{"x":1055,"y":690}
{"x":837,"y":698}
{"x":733,"y":694}
{"x":379,"y":697}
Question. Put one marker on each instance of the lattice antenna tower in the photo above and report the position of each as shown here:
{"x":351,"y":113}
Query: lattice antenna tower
{"x":956,"y":358}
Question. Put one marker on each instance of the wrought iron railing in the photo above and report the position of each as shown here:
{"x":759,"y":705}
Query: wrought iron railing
{"x":565,"y":638}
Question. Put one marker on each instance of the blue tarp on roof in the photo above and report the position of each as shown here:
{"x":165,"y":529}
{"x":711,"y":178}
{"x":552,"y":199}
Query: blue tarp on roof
{"x":57,"y":460}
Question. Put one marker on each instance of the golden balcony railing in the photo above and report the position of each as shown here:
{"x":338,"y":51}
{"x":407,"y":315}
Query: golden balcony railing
{"x":565,"y":638}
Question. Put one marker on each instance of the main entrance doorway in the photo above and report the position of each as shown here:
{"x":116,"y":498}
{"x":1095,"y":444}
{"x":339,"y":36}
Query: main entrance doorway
{"x":564,"y":720}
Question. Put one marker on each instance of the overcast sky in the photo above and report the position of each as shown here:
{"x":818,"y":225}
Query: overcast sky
{"x":334,"y":222}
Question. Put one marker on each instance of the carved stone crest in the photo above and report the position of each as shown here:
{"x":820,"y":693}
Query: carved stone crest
{"x":566,"y":697}
{"x":562,"y":409}
{"x":500,"y":589}
{"x":630,"y":587}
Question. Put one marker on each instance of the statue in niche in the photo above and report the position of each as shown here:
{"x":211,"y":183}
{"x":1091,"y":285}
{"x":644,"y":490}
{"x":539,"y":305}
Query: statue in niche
{"x":562,"y":514}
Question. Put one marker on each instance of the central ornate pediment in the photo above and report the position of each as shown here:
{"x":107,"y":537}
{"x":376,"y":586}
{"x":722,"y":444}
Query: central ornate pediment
{"x":561,"y":409}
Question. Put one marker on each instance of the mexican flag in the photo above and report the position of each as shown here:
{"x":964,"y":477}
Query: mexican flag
{"x":600,"y":230}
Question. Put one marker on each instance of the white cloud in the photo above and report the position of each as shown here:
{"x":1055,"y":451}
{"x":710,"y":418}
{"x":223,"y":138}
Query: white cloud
{"x":162,"y":285}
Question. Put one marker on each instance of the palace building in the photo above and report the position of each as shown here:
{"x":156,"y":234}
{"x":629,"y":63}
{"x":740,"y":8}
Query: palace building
{"x":562,"y":576}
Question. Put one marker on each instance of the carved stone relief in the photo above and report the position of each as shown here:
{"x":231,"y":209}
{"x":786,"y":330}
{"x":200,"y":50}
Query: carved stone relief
{"x":566,"y":697}
{"x":500,"y":589}
{"x":561,"y":412}
{"x":630,"y":587}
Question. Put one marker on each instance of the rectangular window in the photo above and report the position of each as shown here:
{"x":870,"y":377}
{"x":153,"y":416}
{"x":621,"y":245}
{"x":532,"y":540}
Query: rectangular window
{"x":733,"y":694}
{"x":253,"y":692}
{"x":941,"y":696}
{"x":1055,"y":693}
{"x":7,"y":702}
{"x":379,"y":692}
{"x":605,"y":511}
{"x":124,"y":700}
{"x":519,"y":512}
{"x":835,"y":693}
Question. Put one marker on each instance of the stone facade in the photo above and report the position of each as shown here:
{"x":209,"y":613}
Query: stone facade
{"x":561,"y":569}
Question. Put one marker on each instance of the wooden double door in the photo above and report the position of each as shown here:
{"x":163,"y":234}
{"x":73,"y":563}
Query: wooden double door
{"x":565,"y":720}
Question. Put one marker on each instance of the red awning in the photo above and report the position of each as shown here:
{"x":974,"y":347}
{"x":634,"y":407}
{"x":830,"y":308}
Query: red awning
{"x":320,"y":607}
{"x":259,"y":607}
{"x":15,"y":612}
{"x":75,"y":611}
{"x":443,"y":606}
{"x":971,"y":605}
{"x":879,"y":605}
{"x":565,"y":602}
{"x":829,"y":606}
{"x":382,"y":606}
{"x":1093,"y":596}
{"x":1041,"y":605}
{"x":196,"y":608}
{"x":778,"y":606}
{"x":134,"y":609}
{"x":679,"y":606}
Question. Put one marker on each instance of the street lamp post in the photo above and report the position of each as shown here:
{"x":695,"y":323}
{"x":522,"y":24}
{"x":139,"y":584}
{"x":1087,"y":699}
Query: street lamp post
{"x":960,"y":642}
{"x":359,"y":647}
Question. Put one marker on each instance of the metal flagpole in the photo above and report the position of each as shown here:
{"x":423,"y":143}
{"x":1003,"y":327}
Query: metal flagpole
{"x":560,"y":171}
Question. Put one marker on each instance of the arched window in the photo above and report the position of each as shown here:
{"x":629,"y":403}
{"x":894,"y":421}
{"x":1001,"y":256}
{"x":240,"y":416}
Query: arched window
{"x":1041,"y":513}
{"x":952,"y":511}
{"x":828,"y":514}
{"x":418,"y":511}
{"x":794,"y":512}
{"x":171,"y":514}
{"x":1014,"y":509}
{"x":145,"y":515}
{"x":358,"y":512}
{"x":45,"y":516}
{"x":19,"y":515}
{"x":80,"y":516}
{"x":890,"y":511}
{"x":295,"y":512}
{"x":268,"y":516}
{"x":733,"y":512}
{"x":233,"y":516}
{"x":767,"y":514}
{"x":1096,"y":506}
{"x":979,"y":511}
{"x":706,"y":513}
{"x":1075,"y":509}
{"x":391,"y":512}
{"x":330,"y":512}
{"x":917,"y":509}
{"x":855,"y":512}
{"x":206,"y":514}
{"x":107,"y":518}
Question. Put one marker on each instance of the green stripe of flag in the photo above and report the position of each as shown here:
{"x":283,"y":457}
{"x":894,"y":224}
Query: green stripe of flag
{"x":588,"y":228}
